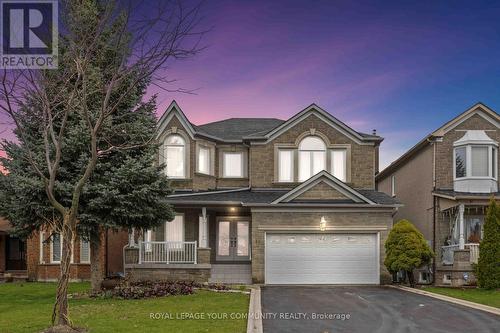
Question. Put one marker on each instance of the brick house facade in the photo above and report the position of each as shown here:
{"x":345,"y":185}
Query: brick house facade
{"x":234,"y":204}
{"x":446,"y":205}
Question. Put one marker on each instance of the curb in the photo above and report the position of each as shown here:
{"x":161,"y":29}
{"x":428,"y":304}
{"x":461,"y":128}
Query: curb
{"x":254,"y":322}
{"x":469,"y":304}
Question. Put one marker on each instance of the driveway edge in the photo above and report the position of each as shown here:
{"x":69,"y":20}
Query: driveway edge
{"x":469,"y":304}
{"x":254,"y":321}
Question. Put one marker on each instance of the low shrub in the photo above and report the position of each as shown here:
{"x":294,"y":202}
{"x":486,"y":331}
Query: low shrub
{"x":139,"y":290}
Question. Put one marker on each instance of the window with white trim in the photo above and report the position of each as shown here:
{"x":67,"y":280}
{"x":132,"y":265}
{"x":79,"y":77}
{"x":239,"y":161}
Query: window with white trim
{"x":174,"y":230}
{"x":204,"y":160}
{"x":84,"y":251}
{"x":339,"y":163}
{"x":312,"y":157}
{"x":285,"y":165}
{"x":232,"y":165}
{"x":476,"y":161}
{"x":42,"y":239}
{"x":175,"y":156}
{"x":56,"y":248}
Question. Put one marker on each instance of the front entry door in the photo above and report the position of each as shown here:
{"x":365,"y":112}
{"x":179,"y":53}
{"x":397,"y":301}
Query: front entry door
{"x":233,"y":240}
{"x":15,"y":254}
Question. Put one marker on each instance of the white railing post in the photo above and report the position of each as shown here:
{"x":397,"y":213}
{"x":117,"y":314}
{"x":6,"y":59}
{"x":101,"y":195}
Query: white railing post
{"x":140,"y":252}
{"x":168,"y":252}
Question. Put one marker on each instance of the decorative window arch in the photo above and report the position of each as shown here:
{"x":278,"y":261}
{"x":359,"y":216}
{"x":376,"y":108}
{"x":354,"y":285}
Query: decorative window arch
{"x":175,"y":156}
{"x":312,"y":156}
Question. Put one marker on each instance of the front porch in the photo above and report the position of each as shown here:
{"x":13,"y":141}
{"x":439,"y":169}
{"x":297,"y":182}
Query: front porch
{"x":460,"y":231}
{"x":202,"y":244}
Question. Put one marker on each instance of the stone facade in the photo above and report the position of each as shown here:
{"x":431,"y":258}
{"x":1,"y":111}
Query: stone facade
{"x":444,"y":149}
{"x":321,"y":191}
{"x":260,"y":171}
{"x":362,"y":162}
{"x":173,"y":272}
{"x":311,"y":218}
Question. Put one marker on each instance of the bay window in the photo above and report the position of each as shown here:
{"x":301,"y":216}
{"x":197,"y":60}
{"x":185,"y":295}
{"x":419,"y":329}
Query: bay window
{"x":312,"y":157}
{"x":232,"y":165}
{"x":475,"y":157}
{"x":175,"y":156}
{"x":339,"y":163}
{"x":285,"y":165}
{"x":475,"y":161}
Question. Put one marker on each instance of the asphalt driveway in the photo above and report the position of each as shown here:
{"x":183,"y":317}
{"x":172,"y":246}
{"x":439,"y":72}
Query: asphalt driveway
{"x":329,"y":309}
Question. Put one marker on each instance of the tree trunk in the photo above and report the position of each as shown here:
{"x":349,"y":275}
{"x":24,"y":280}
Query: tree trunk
{"x":60,"y":311}
{"x":411,"y":279}
{"x":96,"y":267}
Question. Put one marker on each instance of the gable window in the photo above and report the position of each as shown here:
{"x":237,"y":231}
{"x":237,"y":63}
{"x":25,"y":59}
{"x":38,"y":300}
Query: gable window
{"x":312,"y":157}
{"x":84,"y":251}
{"x":56,"y":248}
{"x":204,"y":160}
{"x":285,"y":165}
{"x":175,"y":156}
{"x":339,"y":163}
{"x":232,"y":164}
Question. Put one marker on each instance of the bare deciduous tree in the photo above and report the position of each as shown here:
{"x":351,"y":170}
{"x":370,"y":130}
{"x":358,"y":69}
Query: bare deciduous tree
{"x":106,"y":49}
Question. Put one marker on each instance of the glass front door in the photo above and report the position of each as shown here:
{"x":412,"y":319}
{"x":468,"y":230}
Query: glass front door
{"x":233,"y":240}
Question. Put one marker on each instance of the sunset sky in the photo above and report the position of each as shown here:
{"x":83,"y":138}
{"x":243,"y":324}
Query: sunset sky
{"x":403,"y":68}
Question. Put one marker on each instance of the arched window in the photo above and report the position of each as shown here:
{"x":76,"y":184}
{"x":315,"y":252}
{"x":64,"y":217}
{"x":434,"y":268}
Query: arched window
{"x":312,"y":157}
{"x":175,"y":156}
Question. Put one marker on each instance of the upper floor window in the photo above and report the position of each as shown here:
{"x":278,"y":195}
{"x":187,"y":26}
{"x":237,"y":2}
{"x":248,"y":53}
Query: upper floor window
{"x":175,"y":156}
{"x":232,"y":165}
{"x":475,"y":157}
{"x":204,"y":160}
{"x":475,"y":161}
{"x":285,"y":165}
{"x":339,"y":163}
{"x":393,"y":185}
{"x":312,"y":157}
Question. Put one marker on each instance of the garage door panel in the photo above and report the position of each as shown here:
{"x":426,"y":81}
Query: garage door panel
{"x":322,"y":259}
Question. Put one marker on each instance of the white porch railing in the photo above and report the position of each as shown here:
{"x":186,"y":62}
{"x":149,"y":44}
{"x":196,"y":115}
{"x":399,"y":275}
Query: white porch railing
{"x":447,"y":254}
{"x":474,"y":252}
{"x":168,"y":252}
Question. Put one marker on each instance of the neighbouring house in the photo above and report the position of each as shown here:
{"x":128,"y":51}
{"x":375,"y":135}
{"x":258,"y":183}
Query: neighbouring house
{"x":265,"y":200}
{"x":12,"y":251}
{"x":445,"y":182}
{"x":44,"y":249}
{"x":38,"y":257}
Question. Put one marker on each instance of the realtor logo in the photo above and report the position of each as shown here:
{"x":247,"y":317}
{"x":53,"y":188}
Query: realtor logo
{"x":29,"y":34}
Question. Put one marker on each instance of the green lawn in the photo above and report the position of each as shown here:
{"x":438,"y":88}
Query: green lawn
{"x":486,"y":297}
{"x":27,"y":307}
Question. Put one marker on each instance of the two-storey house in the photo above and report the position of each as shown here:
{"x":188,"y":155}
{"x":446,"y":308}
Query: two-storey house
{"x":266,"y":200}
{"x":444,"y":183}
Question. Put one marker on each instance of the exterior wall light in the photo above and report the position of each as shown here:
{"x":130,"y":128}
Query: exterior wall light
{"x":322,"y":224}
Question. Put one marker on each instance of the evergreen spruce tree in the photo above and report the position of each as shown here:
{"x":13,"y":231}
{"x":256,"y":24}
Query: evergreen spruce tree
{"x":488,"y":266}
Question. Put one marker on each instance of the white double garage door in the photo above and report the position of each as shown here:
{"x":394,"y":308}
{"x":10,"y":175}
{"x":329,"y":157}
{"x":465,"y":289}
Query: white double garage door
{"x":302,"y":258}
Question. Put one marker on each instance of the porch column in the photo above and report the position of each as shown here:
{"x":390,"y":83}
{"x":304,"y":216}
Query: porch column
{"x":461,"y":240}
{"x":203,"y":228}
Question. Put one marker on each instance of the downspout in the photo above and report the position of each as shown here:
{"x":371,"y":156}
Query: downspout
{"x":434,"y":211}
